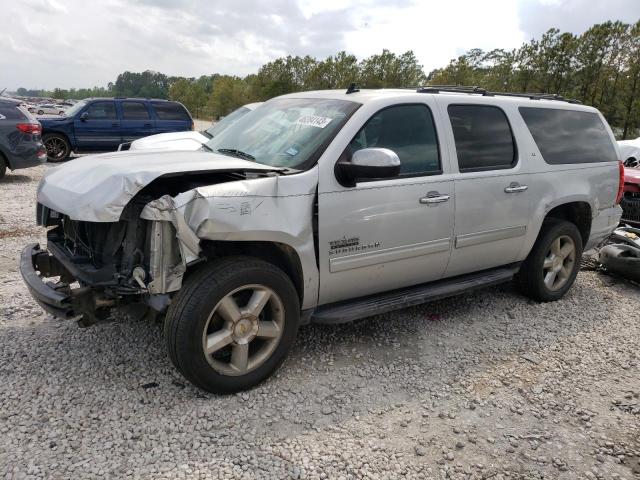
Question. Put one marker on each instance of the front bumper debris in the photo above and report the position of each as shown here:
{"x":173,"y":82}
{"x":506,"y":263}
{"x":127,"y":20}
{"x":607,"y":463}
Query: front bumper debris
{"x":58,"y":299}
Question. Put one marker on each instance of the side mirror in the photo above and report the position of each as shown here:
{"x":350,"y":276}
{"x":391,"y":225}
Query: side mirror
{"x":368,"y":163}
{"x":84,"y":116}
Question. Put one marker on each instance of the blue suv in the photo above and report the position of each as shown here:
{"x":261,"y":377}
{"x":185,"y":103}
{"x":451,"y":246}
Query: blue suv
{"x":101,"y":124}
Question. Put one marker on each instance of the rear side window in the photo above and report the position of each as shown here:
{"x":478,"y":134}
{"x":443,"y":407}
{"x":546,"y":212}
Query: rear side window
{"x":170,"y":111}
{"x":11,"y":112}
{"x":102,"y":111}
{"x":409,"y":131}
{"x":483,"y":137}
{"x":134,"y":111}
{"x":569,"y":136}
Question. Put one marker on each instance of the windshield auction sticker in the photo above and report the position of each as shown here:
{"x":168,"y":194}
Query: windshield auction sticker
{"x":313,"y":121}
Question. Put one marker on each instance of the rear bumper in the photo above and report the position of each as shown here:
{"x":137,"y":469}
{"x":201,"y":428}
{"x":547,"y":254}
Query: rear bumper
{"x":31,"y":158}
{"x":603,"y":225}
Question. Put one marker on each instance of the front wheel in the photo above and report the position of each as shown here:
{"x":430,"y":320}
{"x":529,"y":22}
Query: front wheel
{"x":232,"y":324}
{"x":552,"y":265}
{"x":58,"y":148}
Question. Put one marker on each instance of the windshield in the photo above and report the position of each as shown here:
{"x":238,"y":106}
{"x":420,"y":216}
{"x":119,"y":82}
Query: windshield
{"x":71,"y":111}
{"x":287,"y":132}
{"x":227,"y":121}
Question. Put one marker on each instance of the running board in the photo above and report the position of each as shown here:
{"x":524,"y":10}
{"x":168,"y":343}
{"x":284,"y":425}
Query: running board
{"x":350,"y":310}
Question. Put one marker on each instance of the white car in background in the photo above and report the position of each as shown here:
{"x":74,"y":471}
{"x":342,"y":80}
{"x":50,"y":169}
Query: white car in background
{"x":188,"y":140}
{"x":630,"y":152}
{"x":48,"y":109}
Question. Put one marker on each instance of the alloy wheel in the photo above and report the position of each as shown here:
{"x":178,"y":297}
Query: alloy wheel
{"x":56,"y":148}
{"x":559,"y":262}
{"x":243,"y":330}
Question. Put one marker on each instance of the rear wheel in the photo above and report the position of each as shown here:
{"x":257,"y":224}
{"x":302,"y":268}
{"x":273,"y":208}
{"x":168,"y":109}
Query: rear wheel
{"x":232,"y":324}
{"x":3,"y":166}
{"x":40,"y":112}
{"x":552,"y":265}
{"x":58,"y":148}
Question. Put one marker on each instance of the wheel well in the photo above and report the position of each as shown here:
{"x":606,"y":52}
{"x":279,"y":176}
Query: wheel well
{"x":5,"y":159}
{"x":578,"y":213}
{"x":279,"y":254}
{"x":66,"y":137}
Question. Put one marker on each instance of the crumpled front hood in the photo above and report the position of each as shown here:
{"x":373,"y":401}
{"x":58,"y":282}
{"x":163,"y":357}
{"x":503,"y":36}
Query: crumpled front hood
{"x":97,"y":188}
{"x":188,"y":140}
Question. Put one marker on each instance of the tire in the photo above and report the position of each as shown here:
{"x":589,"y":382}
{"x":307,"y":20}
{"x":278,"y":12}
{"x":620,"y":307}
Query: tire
{"x":3,"y":166}
{"x":58,"y":147}
{"x":40,"y":112}
{"x":60,"y":113}
{"x":535,"y":279}
{"x":245,"y":349}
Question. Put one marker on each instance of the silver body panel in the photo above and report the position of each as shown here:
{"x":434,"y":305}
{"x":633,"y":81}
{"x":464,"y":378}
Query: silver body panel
{"x":377,"y":236}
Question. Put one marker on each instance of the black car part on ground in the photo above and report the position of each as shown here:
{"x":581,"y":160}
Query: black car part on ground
{"x":621,"y":259}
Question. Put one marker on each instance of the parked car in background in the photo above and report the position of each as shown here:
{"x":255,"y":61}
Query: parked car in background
{"x":630,"y":152}
{"x":327,"y":207}
{"x":189,"y":140}
{"x":20,"y":142}
{"x":49,"y":109}
{"x":631,"y":200}
{"x":102,"y":124}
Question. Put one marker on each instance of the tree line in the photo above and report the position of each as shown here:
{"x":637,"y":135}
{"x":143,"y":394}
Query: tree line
{"x":600,"y":67}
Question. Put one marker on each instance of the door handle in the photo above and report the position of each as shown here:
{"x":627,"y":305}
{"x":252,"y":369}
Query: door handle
{"x":115,"y":124}
{"x":515,"y":188}
{"x":434,"y":197}
{"x":147,"y":125}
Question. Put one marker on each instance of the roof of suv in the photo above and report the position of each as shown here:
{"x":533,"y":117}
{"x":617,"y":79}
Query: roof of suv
{"x":132,"y":98}
{"x":367,"y":95}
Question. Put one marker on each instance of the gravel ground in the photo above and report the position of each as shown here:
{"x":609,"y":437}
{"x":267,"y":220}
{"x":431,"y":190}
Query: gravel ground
{"x":484,"y":385}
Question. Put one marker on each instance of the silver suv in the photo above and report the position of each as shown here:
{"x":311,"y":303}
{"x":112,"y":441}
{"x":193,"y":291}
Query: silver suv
{"x":326,"y":207}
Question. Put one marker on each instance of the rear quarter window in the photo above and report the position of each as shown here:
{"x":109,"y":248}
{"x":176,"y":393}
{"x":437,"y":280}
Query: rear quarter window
{"x":569,"y":136}
{"x":170,"y":111}
{"x":11,"y":112}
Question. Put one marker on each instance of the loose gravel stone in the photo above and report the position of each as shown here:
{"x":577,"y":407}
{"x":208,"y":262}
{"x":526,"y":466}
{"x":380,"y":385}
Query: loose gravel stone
{"x":388,"y":397}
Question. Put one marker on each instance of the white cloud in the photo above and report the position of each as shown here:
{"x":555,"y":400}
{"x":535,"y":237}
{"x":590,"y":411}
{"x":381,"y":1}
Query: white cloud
{"x":85,"y":43}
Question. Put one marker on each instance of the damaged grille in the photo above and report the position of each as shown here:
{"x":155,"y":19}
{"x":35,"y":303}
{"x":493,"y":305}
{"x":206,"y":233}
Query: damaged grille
{"x":101,"y":253}
{"x":631,"y":207}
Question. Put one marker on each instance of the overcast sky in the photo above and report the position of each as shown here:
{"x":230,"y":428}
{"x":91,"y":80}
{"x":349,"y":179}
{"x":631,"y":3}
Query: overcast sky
{"x":82,"y":43}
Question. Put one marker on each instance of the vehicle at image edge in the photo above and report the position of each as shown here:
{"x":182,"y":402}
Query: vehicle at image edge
{"x":20,"y":142}
{"x":630,"y":152}
{"x":630,"y":156}
{"x":48,"y":109}
{"x":326,"y":207}
{"x":189,"y":140}
{"x":102,"y":124}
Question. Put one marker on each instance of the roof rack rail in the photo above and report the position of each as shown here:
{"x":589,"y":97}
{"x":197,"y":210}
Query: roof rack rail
{"x":481,"y":91}
{"x":451,"y":88}
{"x":353,"y":88}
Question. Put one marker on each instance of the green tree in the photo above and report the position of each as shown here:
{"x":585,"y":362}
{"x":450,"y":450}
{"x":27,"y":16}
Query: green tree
{"x":390,"y":70}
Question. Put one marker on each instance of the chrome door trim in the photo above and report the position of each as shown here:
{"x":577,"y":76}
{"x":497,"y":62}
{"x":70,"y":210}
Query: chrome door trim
{"x":348,"y":262}
{"x":469,"y":239}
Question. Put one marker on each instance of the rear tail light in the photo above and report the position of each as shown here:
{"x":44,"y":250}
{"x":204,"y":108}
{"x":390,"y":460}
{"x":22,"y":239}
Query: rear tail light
{"x":31,"y":128}
{"x":620,"y":182}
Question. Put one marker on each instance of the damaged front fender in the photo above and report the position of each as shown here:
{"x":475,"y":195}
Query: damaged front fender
{"x":274,"y":208}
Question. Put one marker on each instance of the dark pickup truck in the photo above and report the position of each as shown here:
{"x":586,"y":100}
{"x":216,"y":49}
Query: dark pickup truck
{"x":101,"y":124}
